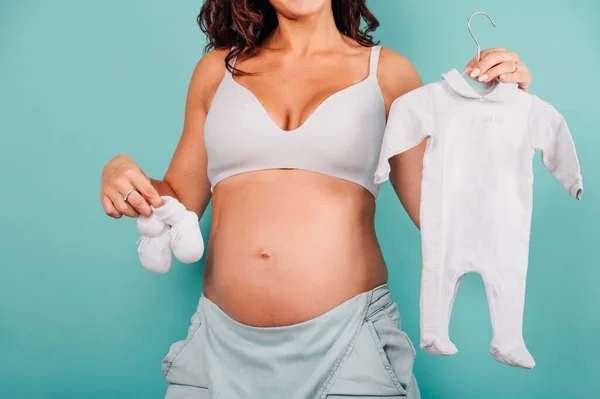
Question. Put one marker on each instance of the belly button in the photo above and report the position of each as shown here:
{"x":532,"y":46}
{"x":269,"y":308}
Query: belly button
{"x":265,"y":255}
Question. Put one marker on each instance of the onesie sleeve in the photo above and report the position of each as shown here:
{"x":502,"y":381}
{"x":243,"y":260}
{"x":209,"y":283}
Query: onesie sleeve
{"x":549,"y":133}
{"x":407,"y":126}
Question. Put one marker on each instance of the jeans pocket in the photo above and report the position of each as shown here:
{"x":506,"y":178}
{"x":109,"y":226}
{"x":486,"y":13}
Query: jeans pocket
{"x":177,"y":347}
{"x":396,"y":351}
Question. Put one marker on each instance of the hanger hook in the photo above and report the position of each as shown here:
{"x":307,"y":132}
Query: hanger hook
{"x":471,"y":32}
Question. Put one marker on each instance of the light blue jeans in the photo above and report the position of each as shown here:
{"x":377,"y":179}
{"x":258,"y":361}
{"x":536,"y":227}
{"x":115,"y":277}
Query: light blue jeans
{"x":356,"y":349}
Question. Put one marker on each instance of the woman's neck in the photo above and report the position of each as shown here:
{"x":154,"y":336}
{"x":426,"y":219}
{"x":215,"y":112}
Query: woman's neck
{"x":308,"y":35}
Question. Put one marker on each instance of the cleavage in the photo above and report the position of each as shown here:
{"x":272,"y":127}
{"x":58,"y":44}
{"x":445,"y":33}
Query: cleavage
{"x":290,"y":103}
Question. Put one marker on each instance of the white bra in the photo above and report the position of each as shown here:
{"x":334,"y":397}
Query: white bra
{"x":341,"y":138}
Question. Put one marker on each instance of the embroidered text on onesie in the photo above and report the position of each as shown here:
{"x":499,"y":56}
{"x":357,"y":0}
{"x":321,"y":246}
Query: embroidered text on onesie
{"x":476,"y":196}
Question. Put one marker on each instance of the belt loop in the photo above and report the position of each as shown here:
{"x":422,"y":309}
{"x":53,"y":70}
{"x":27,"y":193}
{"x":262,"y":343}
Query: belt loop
{"x":376,"y":305}
{"x":368,"y":305}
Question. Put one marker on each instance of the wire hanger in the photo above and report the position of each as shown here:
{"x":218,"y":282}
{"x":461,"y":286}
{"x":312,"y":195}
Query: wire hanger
{"x":474,"y":38}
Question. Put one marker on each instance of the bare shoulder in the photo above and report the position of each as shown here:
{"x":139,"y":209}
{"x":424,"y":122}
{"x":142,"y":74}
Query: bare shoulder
{"x":212,"y":62}
{"x":207,"y":75}
{"x":396,"y":75}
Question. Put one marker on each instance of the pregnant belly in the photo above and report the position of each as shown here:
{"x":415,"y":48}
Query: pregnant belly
{"x":284,"y":253}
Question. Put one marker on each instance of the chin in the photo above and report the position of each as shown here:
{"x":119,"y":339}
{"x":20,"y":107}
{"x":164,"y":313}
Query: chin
{"x":295,"y":9}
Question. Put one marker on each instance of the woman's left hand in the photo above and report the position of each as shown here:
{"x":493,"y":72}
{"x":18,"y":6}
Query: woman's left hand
{"x":499,"y":63}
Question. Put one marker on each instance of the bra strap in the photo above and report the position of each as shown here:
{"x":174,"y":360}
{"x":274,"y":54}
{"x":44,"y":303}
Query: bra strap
{"x":232,"y":64}
{"x":374,"y":60}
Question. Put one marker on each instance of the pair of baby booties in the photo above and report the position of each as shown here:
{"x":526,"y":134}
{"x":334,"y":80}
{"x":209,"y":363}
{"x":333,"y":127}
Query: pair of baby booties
{"x":170,"y":230}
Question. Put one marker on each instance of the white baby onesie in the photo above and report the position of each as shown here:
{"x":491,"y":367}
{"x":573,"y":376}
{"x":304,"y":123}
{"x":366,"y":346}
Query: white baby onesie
{"x":476,"y":196}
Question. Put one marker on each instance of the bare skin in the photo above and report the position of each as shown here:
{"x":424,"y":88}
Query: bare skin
{"x":285,"y":245}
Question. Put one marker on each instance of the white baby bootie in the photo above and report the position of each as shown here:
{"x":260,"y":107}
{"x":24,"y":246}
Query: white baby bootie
{"x":186,"y":238}
{"x":155,"y":244}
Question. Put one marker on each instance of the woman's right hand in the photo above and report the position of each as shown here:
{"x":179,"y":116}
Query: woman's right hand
{"x":119,"y":176}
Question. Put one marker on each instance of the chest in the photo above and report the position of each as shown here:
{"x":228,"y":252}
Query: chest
{"x":291,"y":91}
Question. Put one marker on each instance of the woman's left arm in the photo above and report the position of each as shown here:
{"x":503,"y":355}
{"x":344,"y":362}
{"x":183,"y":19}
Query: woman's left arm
{"x":397,"y":76}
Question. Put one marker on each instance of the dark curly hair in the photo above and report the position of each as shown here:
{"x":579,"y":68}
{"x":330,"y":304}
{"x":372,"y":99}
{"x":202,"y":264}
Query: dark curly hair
{"x":243,"y":25}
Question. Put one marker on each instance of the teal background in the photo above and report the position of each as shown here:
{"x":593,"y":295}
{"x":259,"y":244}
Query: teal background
{"x":81,"y":81}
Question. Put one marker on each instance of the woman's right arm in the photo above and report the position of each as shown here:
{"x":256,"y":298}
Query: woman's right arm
{"x":186,"y":178}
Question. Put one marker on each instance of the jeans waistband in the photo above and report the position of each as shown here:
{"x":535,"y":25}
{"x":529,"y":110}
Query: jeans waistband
{"x":372,"y":301}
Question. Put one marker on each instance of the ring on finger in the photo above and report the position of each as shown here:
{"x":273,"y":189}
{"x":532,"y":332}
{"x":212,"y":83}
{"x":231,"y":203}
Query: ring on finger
{"x":516,"y":66}
{"x":126,"y":195}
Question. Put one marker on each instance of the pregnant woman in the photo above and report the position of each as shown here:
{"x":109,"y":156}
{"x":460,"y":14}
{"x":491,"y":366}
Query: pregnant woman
{"x":283,"y":126}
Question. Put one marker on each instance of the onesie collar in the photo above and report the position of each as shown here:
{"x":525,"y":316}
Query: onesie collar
{"x":498,"y":91}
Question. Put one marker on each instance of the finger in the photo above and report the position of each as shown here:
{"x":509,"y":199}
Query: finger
{"x":146,"y":190}
{"x":123,"y":207}
{"x":511,"y":77}
{"x":482,"y":54}
{"x":523,"y":76}
{"x":504,"y":68}
{"x":109,"y":208}
{"x":473,"y":62}
{"x":116,"y":196}
{"x":494,"y":58}
{"x":138,"y":203}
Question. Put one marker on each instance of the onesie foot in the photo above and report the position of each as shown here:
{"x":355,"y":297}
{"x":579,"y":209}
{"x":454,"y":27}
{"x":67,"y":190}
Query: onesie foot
{"x":434,"y":344}
{"x":515,"y":356}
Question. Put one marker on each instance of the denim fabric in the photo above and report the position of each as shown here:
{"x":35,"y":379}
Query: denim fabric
{"x":356,"y":349}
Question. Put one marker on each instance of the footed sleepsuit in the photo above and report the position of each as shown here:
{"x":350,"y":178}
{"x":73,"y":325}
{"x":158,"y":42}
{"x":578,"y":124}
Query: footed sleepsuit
{"x":476,"y":197}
